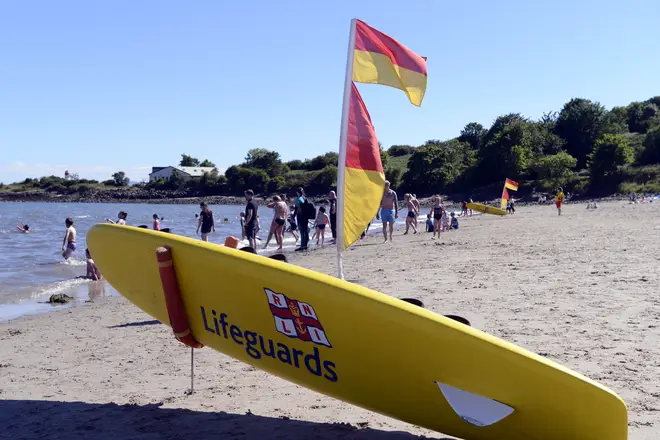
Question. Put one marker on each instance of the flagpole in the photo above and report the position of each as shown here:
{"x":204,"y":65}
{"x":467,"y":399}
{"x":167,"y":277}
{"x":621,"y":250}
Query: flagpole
{"x":343,"y":141}
{"x":502,"y":198}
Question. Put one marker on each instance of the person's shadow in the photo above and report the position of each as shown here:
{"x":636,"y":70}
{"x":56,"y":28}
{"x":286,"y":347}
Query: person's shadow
{"x":39,"y":419}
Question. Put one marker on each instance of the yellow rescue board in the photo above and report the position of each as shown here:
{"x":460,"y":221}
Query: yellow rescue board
{"x":359,"y":345}
{"x":486,"y":209}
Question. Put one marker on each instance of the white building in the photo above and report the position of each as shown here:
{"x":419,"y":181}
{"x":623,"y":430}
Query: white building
{"x":186,"y":173}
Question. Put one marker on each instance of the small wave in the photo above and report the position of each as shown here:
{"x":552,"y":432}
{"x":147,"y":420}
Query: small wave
{"x":58,"y":287}
{"x":82,"y":216}
{"x":73,"y":262}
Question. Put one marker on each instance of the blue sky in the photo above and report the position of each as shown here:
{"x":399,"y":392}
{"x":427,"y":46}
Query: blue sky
{"x":96,"y":87}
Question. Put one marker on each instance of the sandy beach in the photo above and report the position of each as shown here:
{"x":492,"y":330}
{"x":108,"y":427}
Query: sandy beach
{"x":580,"y":289}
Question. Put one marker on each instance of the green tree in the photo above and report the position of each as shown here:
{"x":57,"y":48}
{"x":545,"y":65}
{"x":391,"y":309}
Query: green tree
{"x":543,"y":138}
{"x":400,"y":150}
{"x":616,"y":121}
{"x":241,"y":178}
{"x":507,"y":150}
{"x":435,"y":166}
{"x":188,"y":161}
{"x":295,"y":164}
{"x":580,"y":123}
{"x":320,"y":162}
{"x":473,"y":134}
{"x":556,"y":169}
{"x":119,"y":179}
{"x":266,"y":160}
{"x":642,"y":116}
{"x":393,"y":175}
{"x":207,"y":163}
{"x":651,"y":152}
{"x":610,"y":154}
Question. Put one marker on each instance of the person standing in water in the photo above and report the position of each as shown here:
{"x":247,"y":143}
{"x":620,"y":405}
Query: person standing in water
{"x":559,"y":200}
{"x":389,"y":210}
{"x":279,"y":220}
{"x":205,"y":222}
{"x":251,"y":219}
{"x":69,"y":242}
{"x":156,"y":223}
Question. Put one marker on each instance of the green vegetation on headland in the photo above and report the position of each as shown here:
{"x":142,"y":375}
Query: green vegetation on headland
{"x":584,"y":148}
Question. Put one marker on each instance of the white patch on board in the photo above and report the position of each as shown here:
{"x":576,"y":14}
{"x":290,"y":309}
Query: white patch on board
{"x":473,"y":408}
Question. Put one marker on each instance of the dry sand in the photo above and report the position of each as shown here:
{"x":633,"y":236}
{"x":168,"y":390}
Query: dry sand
{"x":581,"y":289}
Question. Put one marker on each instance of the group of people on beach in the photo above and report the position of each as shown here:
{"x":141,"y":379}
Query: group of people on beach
{"x":437,"y":220}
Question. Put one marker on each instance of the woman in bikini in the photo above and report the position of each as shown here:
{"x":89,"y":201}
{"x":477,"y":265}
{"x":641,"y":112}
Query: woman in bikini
{"x":411,"y":218}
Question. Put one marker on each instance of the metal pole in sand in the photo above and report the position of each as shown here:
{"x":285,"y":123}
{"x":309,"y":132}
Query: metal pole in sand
{"x":192,"y":370}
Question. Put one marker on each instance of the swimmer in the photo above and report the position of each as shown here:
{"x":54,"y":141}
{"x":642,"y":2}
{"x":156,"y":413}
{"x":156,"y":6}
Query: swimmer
{"x":23,"y":228}
{"x":156,"y":223}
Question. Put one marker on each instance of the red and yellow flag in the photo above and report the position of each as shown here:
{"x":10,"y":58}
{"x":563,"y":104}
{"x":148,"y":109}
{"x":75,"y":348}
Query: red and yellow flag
{"x":380,"y":59}
{"x":364,"y":177}
{"x":510,"y":184}
{"x":513,"y":186}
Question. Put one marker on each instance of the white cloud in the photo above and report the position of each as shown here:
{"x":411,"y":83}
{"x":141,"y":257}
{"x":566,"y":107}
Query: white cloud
{"x":18,"y":171}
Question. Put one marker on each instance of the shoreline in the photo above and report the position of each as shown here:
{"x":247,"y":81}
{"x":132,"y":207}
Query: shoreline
{"x":165,"y":199}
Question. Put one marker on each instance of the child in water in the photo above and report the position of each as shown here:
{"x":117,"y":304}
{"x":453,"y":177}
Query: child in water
{"x":156,"y":223}
{"x":93,"y":272}
{"x":122,"y":218}
{"x":69,"y":242}
{"x":454,"y":221}
{"x":321,"y":220}
{"x":429,"y":223}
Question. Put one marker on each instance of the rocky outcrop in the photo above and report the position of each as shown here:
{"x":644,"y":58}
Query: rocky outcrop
{"x":60,"y":298}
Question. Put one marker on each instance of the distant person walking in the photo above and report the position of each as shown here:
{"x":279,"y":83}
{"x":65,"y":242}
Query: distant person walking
{"x":436,"y":211}
{"x":69,"y":242}
{"x":389,"y":210}
{"x":333,"y":214}
{"x":302,"y":219}
{"x":251,"y":219}
{"x":559,"y":200}
{"x":206,"y":222}
{"x":411,"y":218}
{"x":418,"y":207}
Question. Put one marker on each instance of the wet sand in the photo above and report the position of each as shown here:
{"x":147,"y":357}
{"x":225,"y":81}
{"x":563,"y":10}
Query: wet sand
{"x":581,"y":289}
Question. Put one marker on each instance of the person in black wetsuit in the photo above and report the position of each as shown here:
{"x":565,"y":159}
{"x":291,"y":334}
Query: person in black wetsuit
{"x":332,"y":213}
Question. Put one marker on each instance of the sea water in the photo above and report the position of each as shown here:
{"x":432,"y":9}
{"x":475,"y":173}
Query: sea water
{"x":32,"y":268}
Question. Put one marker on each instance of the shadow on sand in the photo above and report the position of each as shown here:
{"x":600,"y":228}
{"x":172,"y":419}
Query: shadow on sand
{"x":136,"y":324}
{"x":32,"y":419}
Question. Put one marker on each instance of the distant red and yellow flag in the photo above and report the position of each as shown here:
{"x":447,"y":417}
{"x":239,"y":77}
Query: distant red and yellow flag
{"x":364,"y":177}
{"x":510,"y":184}
{"x":380,"y":59}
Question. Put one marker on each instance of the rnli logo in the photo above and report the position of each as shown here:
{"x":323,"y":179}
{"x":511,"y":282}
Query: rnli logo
{"x":296,"y":319}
